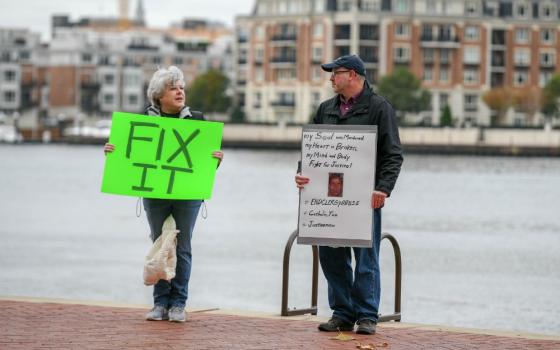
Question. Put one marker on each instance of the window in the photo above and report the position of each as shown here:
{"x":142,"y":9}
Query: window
{"x":471,"y":8}
{"x":369,"y":54}
{"x":443,"y":100}
{"x":156,"y":60}
{"x":520,"y":78}
{"x":444,"y":56}
{"x":544,"y":78}
{"x":472,"y":33}
{"x":522,"y":57}
{"x":286,"y":74}
{"x":444,"y":75}
{"x":428,"y":74}
{"x":132,"y":80}
{"x":522,"y":10}
{"x":259,"y":74}
{"x":369,"y":32}
{"x":548,"y":11}
{"x":522,"y":35}
{"x":132,"y":100}
{"x":317,"y":73}
{"x":108,"y":99}
{"x":178,"y":61}
{"x":401,"y":6}
{"x":259,"y":32}
{"x":109,"y":79}
{"x":430,"y":6}
{"x":402,"y":54}
{"x":318,"y":30}
{"x":370,"y":5}
{"x":470,"y":76}
{"x":471,"y":102}
{"x":548,"y":35}
{"x":9,"y":96}
{"x":257,"y":98}
{"x":317,"y":53}
{"x":9,"y":75}
{"x":402,"y":30}
{"x":472,"y":55}
{"x":259,"y":54}
{"x":547,"y":59}
{"x":87,"y":58}
{"x":428,"y":55}
{"x":344,"y":5}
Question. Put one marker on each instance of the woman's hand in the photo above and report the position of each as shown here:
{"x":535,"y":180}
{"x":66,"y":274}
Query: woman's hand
{"x":219,"y":155}
{"x":109,"y":147}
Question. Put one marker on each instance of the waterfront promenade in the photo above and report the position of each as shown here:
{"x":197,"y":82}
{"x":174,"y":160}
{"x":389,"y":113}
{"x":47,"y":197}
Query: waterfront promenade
{"x":59,"y":324}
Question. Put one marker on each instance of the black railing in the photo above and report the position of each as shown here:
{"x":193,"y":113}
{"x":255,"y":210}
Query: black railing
{"x":396,"y":316}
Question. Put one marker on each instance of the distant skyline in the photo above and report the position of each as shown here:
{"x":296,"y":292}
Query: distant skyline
{"x":36,"y":14}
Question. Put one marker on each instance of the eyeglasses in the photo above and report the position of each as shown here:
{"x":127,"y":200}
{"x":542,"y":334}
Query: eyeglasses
{"x":334,"y":73}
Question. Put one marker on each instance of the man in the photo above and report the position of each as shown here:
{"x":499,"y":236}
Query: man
{"x":335,"y":185}
{"x":354,"y":296}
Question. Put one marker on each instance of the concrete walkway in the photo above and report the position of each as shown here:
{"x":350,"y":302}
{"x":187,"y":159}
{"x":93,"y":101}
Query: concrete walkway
{"x":57,"y":324}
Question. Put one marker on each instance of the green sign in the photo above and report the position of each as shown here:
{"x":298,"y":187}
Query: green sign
{"x":158,"y":157}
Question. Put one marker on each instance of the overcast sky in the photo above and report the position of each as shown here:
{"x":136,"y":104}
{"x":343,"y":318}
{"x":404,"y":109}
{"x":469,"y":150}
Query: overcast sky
{"x":36,"y":14}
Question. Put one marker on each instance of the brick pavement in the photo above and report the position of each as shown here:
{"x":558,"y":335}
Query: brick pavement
{"x":48,"y":325}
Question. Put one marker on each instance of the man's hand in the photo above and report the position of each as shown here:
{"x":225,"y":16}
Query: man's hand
{"x":301,"y":181}
{"x":378,"y":199}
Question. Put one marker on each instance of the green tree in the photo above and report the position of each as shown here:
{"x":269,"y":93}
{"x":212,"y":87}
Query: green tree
{"x":404,"y":92}
{"x":446,"y":118}
{"x":207,"y":92}
{"x":551,"y":105}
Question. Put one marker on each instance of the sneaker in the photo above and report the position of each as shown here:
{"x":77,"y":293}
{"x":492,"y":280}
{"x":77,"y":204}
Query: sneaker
{"x":158,"y":313}
{"x":336,"y":324}
{"x":366,"y":326}
{"x":177,"y":314}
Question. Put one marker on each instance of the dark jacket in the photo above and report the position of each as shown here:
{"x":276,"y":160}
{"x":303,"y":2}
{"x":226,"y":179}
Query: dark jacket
{"x":371,"y":109}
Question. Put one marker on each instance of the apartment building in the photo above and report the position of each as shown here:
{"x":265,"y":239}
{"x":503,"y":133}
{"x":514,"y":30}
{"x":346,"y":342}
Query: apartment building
{"x":94,"y":66}
{"x":458,"y":48}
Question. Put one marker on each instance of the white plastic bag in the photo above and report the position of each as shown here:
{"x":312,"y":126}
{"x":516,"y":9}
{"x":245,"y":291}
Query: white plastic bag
{"x":162,"y":259}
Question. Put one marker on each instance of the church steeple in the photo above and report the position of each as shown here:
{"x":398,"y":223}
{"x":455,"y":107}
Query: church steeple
{"x":140,"y":16}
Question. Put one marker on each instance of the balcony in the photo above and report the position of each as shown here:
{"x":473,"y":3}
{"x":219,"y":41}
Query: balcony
{"x":283,"y":59}
{"x":442,"y":41}
{"x":284,"y":37}
{"x":521,"y":64}
{"x":283,"y":103}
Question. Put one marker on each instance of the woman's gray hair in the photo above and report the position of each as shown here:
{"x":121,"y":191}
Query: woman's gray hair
{"x":162,"y":78}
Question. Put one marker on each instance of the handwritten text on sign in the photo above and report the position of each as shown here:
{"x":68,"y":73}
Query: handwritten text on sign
{"x":158,"y":157}
{"x":335,"y":207}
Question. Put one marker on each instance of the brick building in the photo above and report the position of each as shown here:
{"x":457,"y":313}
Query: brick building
{"x":458,"y":48}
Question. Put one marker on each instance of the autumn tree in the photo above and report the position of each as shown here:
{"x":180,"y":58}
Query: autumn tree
{"x":499,"y":100}
{"x":528,"y":100}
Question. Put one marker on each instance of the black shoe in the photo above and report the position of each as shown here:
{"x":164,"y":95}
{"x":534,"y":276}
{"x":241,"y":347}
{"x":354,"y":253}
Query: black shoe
{"x":335,"y":324}
{"x":366,"y":326}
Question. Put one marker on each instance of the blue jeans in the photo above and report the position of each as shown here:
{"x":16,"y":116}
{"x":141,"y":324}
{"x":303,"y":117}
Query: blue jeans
{"x":354,"y":296}
{"x":174,"y":293}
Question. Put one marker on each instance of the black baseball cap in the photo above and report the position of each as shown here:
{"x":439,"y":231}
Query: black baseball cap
{"x":352,"y":62}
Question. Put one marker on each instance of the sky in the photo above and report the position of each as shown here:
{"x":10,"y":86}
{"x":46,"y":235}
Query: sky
{"x":36,"y":14}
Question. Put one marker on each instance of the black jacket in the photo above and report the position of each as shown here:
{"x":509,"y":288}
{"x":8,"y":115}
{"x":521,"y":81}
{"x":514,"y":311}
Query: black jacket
{"x":371,"y":109}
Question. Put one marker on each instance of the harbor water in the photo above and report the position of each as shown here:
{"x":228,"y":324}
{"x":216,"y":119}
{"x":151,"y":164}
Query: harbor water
{"x":480,"y":236}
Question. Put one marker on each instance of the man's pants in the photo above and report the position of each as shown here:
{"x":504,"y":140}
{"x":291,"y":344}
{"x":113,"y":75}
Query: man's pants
{"x":354,"y":296}
{"x":174,"y":293}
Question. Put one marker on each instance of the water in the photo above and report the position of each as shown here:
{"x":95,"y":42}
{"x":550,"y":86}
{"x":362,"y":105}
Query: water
{"x":480,"y":237}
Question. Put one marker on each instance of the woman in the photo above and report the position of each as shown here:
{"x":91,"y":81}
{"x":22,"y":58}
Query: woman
{"x":167,"y":97}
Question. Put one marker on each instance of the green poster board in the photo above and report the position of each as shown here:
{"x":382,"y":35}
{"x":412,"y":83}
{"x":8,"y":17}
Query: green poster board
{"x":158,"y":157}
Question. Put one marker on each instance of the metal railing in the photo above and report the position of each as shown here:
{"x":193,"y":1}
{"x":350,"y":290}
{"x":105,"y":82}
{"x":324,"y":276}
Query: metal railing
{"x":396,"y":316}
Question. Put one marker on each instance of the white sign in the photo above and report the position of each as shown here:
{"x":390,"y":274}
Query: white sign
{"x":335,"y":206}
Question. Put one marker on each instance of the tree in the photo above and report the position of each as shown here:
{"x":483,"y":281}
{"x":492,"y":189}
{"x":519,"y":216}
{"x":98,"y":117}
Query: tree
{"x":446,"y":118}
{"x":551,"y":103}
{"x":499,"y":100}
{"x":207,"y":92}
{"x":528,"y":100}
{"x":404,"y":92}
